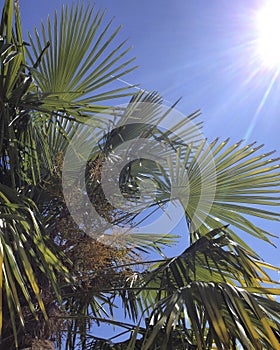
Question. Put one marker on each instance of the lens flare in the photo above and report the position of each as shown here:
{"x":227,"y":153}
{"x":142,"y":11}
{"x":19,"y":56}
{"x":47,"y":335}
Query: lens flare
{"x":268,"y":26}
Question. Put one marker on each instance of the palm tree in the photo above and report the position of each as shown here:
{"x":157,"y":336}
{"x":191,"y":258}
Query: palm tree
{"x":34,"y":110}
{"x":213,"y":295}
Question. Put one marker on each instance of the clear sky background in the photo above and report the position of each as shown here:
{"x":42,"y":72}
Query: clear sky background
{"x":202,"y":51}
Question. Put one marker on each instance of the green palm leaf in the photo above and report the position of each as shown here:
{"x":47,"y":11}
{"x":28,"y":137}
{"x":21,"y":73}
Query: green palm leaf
{"x":24,"y":252}
{"x":218,"y":185}
{"x":78,"y":61}
{"x":211,"y":294}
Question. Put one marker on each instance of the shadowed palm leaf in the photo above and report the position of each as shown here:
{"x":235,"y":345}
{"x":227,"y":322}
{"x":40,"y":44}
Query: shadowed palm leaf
{"x":33,"y":114}
{"x":212,"y":295}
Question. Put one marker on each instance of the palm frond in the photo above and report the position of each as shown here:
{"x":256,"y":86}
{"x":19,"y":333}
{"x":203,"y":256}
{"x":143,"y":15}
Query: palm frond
{"x":212,"y":294}
{"x":78,"y":61}
{"x":214,"y":315}
{"x":25,"y":254}
{"x":218,"y":185}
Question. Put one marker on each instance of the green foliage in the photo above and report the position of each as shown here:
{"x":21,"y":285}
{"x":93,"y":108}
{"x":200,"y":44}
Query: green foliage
{"x":57,"y":282}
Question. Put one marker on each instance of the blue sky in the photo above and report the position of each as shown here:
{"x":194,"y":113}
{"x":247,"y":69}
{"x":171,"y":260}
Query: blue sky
{"x":201,"y":51}
{"x":204,"y":52}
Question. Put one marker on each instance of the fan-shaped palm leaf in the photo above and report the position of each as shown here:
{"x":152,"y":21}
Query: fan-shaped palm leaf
{"x":218,"y":185}
{"x":77,"y":61}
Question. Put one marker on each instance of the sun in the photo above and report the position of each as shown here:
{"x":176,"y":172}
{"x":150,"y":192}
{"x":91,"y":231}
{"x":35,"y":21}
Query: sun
{"x":268,"y":27}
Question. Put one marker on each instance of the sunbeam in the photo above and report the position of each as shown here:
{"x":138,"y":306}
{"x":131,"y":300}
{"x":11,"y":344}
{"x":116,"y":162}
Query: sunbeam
{"x":268,"y":26}
{"x":261,"y":105}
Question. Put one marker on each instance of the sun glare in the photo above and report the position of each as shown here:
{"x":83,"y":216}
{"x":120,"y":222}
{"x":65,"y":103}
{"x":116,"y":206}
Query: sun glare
{"x":268,"y":26}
